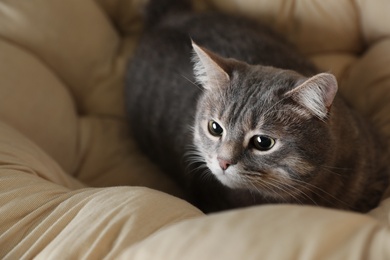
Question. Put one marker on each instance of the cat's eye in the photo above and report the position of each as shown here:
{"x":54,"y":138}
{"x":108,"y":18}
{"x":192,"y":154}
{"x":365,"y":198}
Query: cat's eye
{"x":263,"y":142}
{"x":214,"y":128}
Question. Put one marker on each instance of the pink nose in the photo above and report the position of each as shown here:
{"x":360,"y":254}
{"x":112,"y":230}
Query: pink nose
{"x":224,"y":164}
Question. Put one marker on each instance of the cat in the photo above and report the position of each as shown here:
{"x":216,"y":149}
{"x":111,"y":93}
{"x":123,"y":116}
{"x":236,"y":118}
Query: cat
{"x":238,"y":117}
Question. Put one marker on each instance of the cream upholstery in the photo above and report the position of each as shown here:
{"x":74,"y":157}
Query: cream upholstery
{"x":73,"y":185}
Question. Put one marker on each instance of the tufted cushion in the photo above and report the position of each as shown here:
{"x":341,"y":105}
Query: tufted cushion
{"x":72,"y":182}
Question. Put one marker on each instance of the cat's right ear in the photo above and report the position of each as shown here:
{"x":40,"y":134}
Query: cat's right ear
{"x":209,"y":68}
{"x":316,"y":93}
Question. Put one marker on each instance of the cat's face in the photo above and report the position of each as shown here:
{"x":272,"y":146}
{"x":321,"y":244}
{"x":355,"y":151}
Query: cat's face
{"x":253,"y":133}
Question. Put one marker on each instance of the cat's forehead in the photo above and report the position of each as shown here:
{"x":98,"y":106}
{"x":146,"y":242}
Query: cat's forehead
{"x":254,"y":99}
{"x":242,"y":113}
{"x":263,"y":80}
{"x":256,"y":88}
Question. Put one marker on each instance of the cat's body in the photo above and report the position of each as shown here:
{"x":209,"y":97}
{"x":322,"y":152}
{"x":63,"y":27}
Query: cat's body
{"x":247,"y":134}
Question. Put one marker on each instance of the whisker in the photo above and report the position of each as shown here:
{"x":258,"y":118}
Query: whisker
{"x":308,"y":197}
{"x":277,"y":186}
{"x":251,"y":186}
{"x":333,"y":167}
{"x":192,"y":82}
{"x":329,"y":169}
{"x":332,"y":172}
{"x":301,"y":191}
{"x":303,"y":184}
{"x":205,"y":175}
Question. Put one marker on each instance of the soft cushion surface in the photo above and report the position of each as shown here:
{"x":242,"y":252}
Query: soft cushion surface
{"x":72,"y":182}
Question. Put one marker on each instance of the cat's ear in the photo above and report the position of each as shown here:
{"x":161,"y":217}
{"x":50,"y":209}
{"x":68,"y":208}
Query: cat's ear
{"x":316,"y":94}
{"x":209,"y":68}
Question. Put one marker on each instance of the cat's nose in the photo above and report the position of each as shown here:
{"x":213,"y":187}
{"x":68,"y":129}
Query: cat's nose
{"x":224,"y":164}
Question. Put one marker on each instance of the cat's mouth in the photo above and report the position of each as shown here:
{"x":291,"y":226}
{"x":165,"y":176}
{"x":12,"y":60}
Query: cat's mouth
{"x":235,"y":178}
{"x":264,"y":183}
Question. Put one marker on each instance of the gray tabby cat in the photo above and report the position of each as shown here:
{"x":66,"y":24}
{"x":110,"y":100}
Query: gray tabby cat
{"x":235,"y":115}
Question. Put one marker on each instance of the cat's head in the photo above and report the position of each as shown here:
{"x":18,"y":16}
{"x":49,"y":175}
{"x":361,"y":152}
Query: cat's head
{"x":262,"y":128}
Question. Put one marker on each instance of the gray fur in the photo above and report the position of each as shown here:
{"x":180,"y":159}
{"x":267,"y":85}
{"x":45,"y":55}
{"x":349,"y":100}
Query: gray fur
{"x":330,"y":158}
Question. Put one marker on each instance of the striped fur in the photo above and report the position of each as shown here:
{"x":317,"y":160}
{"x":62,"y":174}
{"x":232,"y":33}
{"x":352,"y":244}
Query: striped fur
{"x":250,"y":82}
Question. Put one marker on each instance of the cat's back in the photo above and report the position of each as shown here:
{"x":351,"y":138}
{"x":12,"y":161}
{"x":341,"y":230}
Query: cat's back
{"x":231,"y":36}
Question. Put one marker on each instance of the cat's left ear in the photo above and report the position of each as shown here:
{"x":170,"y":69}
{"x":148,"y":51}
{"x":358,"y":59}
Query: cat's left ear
{"x":210,"y":70}
{"x":316,"y":94}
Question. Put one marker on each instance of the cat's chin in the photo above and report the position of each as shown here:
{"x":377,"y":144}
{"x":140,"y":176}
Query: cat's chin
{"x":231,"y":179}
{"x":228,"y":178}
{"x":229,"y":182}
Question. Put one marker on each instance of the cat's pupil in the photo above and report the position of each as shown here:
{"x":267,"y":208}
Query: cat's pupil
{"x":263,"y":142}
{"x":214,"y":128}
